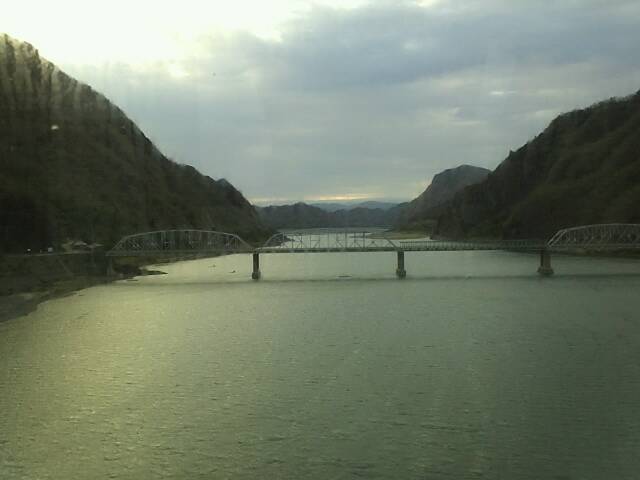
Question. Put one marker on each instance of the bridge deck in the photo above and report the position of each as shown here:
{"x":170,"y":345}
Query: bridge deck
{"x":434,"y":247}
{"x":426,"y":247}
{"x":590,"y":238}
{"x":182,"y":244}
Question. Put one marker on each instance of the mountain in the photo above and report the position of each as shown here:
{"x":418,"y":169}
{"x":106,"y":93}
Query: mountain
{"x":418,"y":214}
{"x":372,"y":204}
{"x":301,"y":215}
{"x":584,"y":168}
{"x":298,"y":215}
{"x":365,"y":217}
{"x":329,"y":206}
{"x":422,"y":211}
{"x":74,"y":166}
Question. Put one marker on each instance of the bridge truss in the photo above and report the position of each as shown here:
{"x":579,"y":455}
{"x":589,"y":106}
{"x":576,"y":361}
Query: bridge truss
{"x":605,"y":237}
{"x":611,"y":236}
{"x":461,"y":246}
{"x":327,"y":240}
{"x":177,"y":242}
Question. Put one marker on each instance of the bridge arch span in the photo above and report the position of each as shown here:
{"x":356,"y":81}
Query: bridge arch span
{"x":602,"y":237}
{"x":180,"y":241}
{"x":607,"y":236}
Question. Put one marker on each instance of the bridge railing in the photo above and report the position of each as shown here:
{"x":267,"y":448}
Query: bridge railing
{"x":449,"y":245}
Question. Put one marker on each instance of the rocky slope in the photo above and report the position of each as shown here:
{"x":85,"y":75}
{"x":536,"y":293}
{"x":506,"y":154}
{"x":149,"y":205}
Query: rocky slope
{"x":424,"y":209}
{"x":583,"y":168}
{"x":73,"y":165}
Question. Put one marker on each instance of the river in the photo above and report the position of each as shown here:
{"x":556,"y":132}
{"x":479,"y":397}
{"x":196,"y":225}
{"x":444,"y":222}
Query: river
{"x":330,"y":367}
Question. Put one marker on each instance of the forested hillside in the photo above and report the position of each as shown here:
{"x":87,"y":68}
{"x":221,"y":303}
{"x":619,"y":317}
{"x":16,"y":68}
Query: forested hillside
{"x":583,"y":169}
{"x":74,"y":166}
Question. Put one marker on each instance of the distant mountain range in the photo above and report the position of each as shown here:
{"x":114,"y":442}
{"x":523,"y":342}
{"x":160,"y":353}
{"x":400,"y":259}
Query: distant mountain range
{"x":370,"y":204}
{"x":301,"y":215}
{"x":415,"y":215}
{"x":74,"y":166}
{"x":584,"y":168}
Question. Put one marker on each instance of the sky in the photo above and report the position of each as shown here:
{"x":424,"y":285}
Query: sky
{"x":337,"y":100}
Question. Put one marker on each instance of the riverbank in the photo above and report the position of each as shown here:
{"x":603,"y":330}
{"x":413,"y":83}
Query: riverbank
{"x":28,"y":280}
{"x":36,"y":272}
{"x":22,"y":303}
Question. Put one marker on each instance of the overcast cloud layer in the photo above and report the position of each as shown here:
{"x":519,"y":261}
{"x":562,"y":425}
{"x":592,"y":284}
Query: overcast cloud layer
{"x":373,"y":101}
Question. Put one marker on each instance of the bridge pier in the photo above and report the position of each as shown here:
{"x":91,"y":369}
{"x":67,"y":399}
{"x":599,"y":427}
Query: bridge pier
{"x":111,"y":272}
{"x":256,"y":267}
{"x":545,"y":263}
{"x":400,"y":271}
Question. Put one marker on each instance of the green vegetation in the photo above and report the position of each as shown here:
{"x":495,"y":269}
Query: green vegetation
{"x":421,"y":227}
{"x":583,"y":169}
{"x":74,"y":166}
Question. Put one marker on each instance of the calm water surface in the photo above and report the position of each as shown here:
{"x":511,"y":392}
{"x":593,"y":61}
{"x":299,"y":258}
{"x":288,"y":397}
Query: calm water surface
{"x":472,"y":367}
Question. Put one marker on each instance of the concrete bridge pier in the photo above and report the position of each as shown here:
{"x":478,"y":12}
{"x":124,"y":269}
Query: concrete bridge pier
{"x":545,"y":263}
{"x":256,"y":267}
{"x":400,"y":271}
{"x":111,"y":272}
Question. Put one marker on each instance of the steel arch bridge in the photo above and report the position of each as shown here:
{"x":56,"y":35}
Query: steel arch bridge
{"x":177,"y":242}
{"x":609,"y":236}
{"x":589,"y":238}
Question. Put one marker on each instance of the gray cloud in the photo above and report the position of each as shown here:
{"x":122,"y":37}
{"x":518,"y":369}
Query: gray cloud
{"x":376,"y":100}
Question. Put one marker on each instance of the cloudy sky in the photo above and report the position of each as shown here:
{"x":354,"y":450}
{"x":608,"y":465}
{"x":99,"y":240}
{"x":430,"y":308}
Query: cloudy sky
{"x":365,"y":99}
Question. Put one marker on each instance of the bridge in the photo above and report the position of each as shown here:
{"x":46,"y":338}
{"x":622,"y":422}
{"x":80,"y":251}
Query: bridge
{"x":181,"y":243}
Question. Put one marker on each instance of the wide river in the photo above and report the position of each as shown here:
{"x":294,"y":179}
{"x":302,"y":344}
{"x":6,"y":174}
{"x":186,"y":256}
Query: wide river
{"x":331,"y":368}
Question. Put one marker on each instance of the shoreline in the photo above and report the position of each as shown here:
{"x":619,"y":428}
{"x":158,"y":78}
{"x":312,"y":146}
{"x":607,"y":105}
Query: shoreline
{"x":20,"y":304}
{"x":28,"y":280}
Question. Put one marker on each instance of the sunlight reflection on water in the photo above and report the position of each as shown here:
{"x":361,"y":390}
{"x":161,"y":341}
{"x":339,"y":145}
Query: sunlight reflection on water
{"x":472,"y":366}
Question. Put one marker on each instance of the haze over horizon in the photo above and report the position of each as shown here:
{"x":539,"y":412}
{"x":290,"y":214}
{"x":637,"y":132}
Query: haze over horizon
{"x":336,"y":101}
